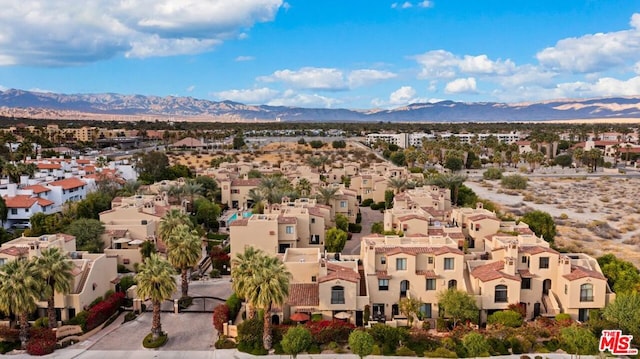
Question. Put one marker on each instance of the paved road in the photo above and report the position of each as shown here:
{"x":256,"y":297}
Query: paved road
{"x":369,"y":217}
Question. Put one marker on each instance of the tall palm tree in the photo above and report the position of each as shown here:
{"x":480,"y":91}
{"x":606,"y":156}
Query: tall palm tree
{"x":192,"y":189}
{"x":451,"y":181}
{"x":303,"y":187}
{"x":55,"y":268}
{"x":20,"y":289}
{"x":326,"y":194}
{"x":244,"y":268}
{"x":156,"y":282}
{"x":184,"y":249}
{"x":170,"y":221}
{"x":258,"y":199}
{"x":271,"y":287}
{"x":398,"y":184}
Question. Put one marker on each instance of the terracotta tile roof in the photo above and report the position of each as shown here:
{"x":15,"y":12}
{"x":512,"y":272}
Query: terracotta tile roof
{"x":412,"y":216}
{"x":303,"y":294}
{"x":479,"y":217}
{"x":15,"y":251}
{"x":427,"y":273}
{"x":382,"y":274}
{"x":536,"y":250}
{"x":492,"y":271}
{"x":251,"y":182}
{"x":524,"y":273}
{"x":335,"y":271}
{"x":286,"y":220}
{"x":66,"y":237}
{"x":44,"y":202}
{"x":83,"y":161}
{"x":313,"y":211}
{"x":49,"y":166}
{"x":68,"y":183}
{"x":37,"y":188}
{"x":240,"y":222}
{"x":435,"y":231}
{"x":454,"y":234}
{"x":20,"y":201}
{"x":523,"y":230}
{"x":578,"y":272}
{"x":418,"y":250}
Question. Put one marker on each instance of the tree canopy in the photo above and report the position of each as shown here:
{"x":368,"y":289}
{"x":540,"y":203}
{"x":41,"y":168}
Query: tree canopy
{"x":458,"y":305}
{"x":88,"y":234}
{"x":541,"y":223}
{"x":335,"y":239}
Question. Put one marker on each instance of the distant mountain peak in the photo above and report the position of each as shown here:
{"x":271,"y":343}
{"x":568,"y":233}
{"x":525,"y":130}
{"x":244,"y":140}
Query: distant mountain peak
{"x":16,"y":102}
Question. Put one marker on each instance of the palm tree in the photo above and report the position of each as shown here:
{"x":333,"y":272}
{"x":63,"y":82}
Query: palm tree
{"x":102,"y":162}
{"x":184,"y":249}
{"x":55,"y":268}
{"x":156,"y":282}
{"x":258,"y":199}
{"x":271,"y":287}
{"x":398,"y":184}
{"x":244,"y":267}
{"x":170,"y":221}
{"x":452,"y":181}
{"x":20,"y":289}
{"x":303,"y":187}
{"x":326,"y":194}
{"x":192,"y":189}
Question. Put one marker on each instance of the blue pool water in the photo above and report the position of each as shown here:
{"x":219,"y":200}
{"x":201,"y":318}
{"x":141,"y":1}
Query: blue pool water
{"x":234,"y":216}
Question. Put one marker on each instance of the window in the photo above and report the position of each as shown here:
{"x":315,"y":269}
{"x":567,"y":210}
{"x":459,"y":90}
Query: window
{"x":401,"y":264}
{"x":524,"y":259}
{"x":583,"y":314}
{"x":235,"y":191}
{"x":315,"y":239}
{"x":343,"y":204}
{"x":337,"y":295}
{"x":383,"y":260}
{"x":425,"y":310}
{"x":544,"y":263}
{"x":501,"y":294}
{"x":314,"y":278}
{"x":453,"y":284}
{"x":448,"y":264}
{"x":430,"y":260}
{"x":313,"y":220}
{"x":431,"y":284}
{"x":383,"y":284}
{"x":378,"y":310}
{"x":586,"y":292}
{"x":14,"y":211}
{"x":526,"y":283}
{"x":289,"y":229}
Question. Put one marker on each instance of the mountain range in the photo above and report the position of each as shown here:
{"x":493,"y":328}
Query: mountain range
{"x":19,"y":103}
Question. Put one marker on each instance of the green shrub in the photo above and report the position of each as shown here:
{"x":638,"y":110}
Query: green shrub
{"x":42,"y":322}
{"x":552,"y":345}
{"x":508,"y":318}
{"x":80,"y":319}
{"x":250,"y":335}
{"x":405,"y":352}
{"x":149,"y":343}
{"x":441,"y":353}
{"x":130,"y":316}
{"x":514,"y":182}
{"x":6,"y":347}
{"x":127,"y":282}
{"x":123,"y":269}
{"x":234,"y":303}
{"x":316,"y":317}
{"x":367,"y":202}
{"x":355,"y":227}
{"x":563,"y":317}
{"x":108,"y":294}
{"x":314,"y":349}
{"x":95,"y":301}
{"x":516,"y":345}
{"x":492,"y":174}
{"x":224,"y":343}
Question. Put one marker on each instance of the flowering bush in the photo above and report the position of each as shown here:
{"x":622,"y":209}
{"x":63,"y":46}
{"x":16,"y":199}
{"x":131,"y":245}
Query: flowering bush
{"x":326,"y":331}
{"x":220,"y":316}
{"x":42,"y":341}
{"x":103,"y":310}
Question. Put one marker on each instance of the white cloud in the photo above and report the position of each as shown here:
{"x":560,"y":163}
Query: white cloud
{"x":66,"y":32}
{"x":444,"y":64}
{"x":405,"y":95}
{"x":425,"y":4}
{"x":244,"y":58}
{"x":312,"y":78}
{"x":407,"y":5}
{"x":2,"y":88}
{"x":461,"y":85}
{"x":594,"y":52}
{"x":191,"y":88}
{"x":292,"y":98}
{"x":365,"y":77}
{"x":248,"y":96}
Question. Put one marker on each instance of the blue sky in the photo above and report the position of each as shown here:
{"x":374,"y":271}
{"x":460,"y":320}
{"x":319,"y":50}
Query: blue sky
{"x":330,"y":53}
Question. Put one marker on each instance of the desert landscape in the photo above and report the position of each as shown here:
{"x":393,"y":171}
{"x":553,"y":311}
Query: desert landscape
{"x":596,"y":215}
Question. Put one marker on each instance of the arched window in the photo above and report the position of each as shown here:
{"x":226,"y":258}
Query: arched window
{"x":453,"y":284}
{"x":337,"y":295}
{"x":501,"y":294}
{"x":586,"y":292}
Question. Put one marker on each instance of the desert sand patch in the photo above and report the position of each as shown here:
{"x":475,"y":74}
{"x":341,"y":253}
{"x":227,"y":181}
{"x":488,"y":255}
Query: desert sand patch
{"x":595,"y":215}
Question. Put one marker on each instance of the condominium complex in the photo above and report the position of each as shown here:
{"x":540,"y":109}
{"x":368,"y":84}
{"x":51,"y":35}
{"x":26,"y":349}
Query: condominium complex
{"x":404,"y":140}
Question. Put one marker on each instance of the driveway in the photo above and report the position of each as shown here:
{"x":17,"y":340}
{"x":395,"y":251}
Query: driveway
{"x":369,"y":217}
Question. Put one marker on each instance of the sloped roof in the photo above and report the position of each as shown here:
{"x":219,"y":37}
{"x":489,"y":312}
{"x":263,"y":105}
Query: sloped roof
{"x":536,"y":250}
{"x":37,"y":188}
{"x":335,"y":271}
{"x":188,"y":142}
{"x":68,"y":183}
{"x":303,"y":294}
{"x":492,"y":271}
{"x":20,"y":201}
{"x":578,"y":272}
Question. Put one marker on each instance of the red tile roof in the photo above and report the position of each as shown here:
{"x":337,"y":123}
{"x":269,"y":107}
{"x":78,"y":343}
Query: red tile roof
{"x":240,"y":222}
{"x":427,"y":273}
{"x":418,"y":250}
{"x":335,"y":271}
{"x":49,"y":166}
{"x":412,"y":216}
{"x":44,"y":202}
{"x":536,"y":250}
{"x":20,"y":201}
{"x":37,"y":188}
{"x":287,"y":220}
{"x":578,"y":272}
{"x":492,"y":271}
{"x":15,"y":251}
{"x":382,"y":274}
{"x":303,"y":294}
{"x":68,"y":183}
{"x":251,"y":182}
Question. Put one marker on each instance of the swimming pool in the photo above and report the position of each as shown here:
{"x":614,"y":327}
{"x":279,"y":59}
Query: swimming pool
{"x":234,"y":216}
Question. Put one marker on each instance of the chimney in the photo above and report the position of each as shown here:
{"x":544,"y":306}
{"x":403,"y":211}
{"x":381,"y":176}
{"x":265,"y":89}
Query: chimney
{"x":565,"y":265}
{"x":11,"y":189}
{"x":510,"y":266}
